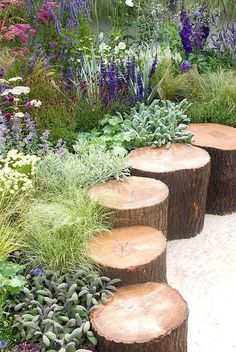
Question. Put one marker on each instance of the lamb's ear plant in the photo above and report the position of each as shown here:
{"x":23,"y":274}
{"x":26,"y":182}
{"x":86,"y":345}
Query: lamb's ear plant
{"x":157,"y":124}
{"x":54,"y":310}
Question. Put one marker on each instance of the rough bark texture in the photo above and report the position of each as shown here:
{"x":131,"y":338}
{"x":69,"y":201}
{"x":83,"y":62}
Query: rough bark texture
{"x":139,"y":306}
{"x":118,"y":196}
{"x":187,"y":200}
{"x":221,"y":197}
{"x":154,"y":216}
{"x":175,"y":342}
{"x":154,"y":271}
{"x":134,"y":254}
{"x":220,"y":142}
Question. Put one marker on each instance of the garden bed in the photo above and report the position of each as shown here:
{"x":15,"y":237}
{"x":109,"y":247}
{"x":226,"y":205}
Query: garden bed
{"x":97,"y":173}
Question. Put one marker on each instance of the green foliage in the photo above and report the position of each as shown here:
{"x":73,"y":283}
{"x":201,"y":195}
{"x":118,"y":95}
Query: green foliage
{"x":57,"y":230}
{"x":11,"y":281}
{"x":58,"y":113}
{"x":213,"y":96}
{"x":54,"y":310}
{"x":88,"y":166}
{"x":12,"y":209}
{"x":158,"y":124}
{"x":224,"y":7}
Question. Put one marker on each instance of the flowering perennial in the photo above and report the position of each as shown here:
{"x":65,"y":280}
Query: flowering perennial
{"x":16,"y":171}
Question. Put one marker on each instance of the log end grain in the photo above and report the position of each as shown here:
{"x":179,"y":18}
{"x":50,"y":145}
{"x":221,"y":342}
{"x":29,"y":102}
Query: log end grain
{"x":140,"y":315}
{"x":160,"y":160}
{"x":130,"y":193}
{"x":213,"y":135}
{"x":135,"y":254}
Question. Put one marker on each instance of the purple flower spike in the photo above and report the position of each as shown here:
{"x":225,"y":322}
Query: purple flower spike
{"x":1,"y":72}
{"x":185,"y":66}
{"x":37,"y":272}
{"x":186,"y":32}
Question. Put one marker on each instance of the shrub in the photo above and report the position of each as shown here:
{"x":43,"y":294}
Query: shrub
{"x":160,"y":123}
{"x":91,"y":164}
{"x":54,"y":310}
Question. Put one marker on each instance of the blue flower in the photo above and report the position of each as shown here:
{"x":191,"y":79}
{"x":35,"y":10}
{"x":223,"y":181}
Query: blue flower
{"x":37,"y":272}
{"x":197,"y":13}
{"x":185,"y":66}
{"x":3,"y":344}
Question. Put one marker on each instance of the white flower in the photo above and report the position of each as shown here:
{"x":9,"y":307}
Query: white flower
{"x":3,"y":81}
{"x":18,"y":90}
{"x":129,"y":3}
{"x":36,"y":103}
{"x":14,"y":79}
{"x":178,"y":58}
{"x":122,"y":46}
{"x":19,"y":114}
{"x":103,"y":47}
{"x":101,"y":36}
{"x":116,"y":50}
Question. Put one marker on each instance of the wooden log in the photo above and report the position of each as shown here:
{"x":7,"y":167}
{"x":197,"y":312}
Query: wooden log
{"x":185,"y":170}
{"x":220,"y":142}
{"x":148,"y":317}
{"x":135,"y":254}
{"x":135,"y":201}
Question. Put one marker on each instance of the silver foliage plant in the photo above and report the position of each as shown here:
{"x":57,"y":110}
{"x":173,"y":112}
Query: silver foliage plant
{"x":54,"y":310}
{"x":160,"y":123}
{"x":91,"y":164}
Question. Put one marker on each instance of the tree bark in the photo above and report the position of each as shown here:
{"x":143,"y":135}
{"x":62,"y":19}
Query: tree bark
{"x":134,"y":254}
{"x":149,"y":317}
{"x":185,"y":170}
{"x":135,"y":201}
{"x":220,"y":142}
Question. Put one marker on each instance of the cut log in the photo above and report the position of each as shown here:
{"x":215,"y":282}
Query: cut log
{"x":134,"y":254}
{"x":148,"y":317}
{"x":185,"y":170}
{"x":135,"y":201}
{"x":220,"y":142}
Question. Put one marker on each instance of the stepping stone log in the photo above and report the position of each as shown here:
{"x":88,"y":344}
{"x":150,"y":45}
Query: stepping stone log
{"x":185,"y":169}
{"x":135,"y":201}
{"x":134,"y":254}
{"x":220,"y":142}
{"x":148,"y":317}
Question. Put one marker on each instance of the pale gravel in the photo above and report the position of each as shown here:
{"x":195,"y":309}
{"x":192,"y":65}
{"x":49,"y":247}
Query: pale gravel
{"x":203,"y":269}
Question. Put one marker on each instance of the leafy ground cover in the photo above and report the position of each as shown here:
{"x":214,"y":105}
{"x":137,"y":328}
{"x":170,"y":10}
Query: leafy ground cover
{"x":74,"y":99}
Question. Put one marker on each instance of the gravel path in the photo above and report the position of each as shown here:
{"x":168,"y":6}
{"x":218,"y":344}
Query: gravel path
{"x":203,"y":269}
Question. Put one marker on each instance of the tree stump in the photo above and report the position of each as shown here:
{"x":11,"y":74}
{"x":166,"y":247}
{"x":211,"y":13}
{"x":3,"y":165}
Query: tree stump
{"x":220,"y":142}
{"x":134,"y":254}
{"x":135,"y":201}
{"x":148,"y":317}
{"x":185,"y":170}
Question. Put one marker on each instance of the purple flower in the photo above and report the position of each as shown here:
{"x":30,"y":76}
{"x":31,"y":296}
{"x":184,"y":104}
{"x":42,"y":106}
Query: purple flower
{"x":37,"y":272}
{"x":186,"y":32}
{"x":185,"y":66}
{"x":10,"y":98}
{"x":1,"y":72}
{"x":153,"y":67}
{"x":197,"y":13}
{"x":3,"y":344}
